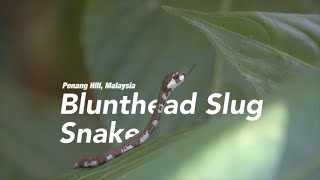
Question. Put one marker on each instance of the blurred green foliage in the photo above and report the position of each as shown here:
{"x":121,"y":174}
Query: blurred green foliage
{"x":137,"y":41}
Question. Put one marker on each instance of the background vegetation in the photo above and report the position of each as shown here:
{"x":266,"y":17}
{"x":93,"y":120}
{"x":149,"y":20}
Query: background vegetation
{"x":253,"y":55}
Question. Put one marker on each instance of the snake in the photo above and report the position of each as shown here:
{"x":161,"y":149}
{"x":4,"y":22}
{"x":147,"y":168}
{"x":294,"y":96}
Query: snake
{"x":169,"y":83}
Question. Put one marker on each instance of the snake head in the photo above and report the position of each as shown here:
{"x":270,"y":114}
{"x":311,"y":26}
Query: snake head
{"x":173,"y":80}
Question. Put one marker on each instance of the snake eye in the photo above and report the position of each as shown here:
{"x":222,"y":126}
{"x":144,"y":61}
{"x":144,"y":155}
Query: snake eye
{"x":176,"y":76}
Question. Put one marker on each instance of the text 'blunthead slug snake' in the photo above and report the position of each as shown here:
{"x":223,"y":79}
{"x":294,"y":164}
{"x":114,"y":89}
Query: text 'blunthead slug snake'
{"x":170,"y":82}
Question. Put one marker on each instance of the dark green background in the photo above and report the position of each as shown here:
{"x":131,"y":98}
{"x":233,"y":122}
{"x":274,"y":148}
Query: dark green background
{"x":44,"y":43}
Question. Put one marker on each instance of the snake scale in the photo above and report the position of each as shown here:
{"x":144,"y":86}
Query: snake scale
{"x":170,"y":82}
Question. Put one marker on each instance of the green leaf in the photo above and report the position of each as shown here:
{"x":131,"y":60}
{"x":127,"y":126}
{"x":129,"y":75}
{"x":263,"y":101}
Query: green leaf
{"x":145,"y":49}
{"x":142,"y":44}
{"x":267,"y":48}
{"x":282,"y":144}
{"x":150,"y":44}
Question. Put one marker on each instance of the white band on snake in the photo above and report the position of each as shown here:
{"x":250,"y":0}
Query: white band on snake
{"x":170,"y":82}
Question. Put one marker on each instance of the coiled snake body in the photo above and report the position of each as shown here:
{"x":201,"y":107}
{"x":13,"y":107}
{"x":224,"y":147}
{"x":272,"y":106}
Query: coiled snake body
{"x":170,"y":82}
